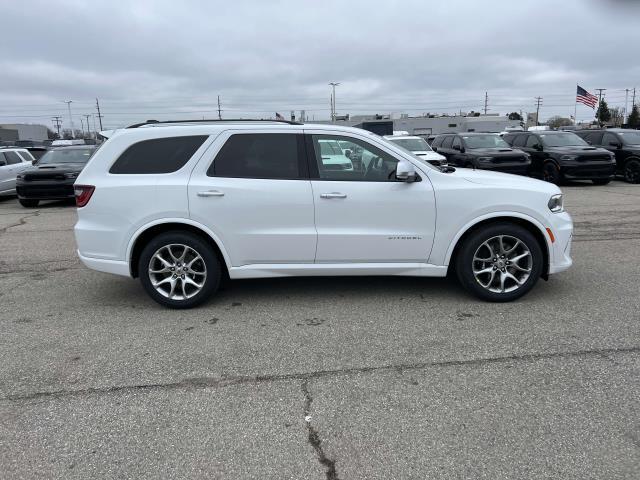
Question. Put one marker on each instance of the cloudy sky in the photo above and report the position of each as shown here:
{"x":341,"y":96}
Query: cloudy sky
{"x":171,"y":59}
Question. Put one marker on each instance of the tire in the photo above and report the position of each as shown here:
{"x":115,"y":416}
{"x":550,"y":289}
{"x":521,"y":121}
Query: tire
{"x":551,"y":173}
{"x":28,"y":203}
{"x":601,"y":181}
{"x":632,"y":171}
{"x":484,"y":243}
{"x":197,"y":274}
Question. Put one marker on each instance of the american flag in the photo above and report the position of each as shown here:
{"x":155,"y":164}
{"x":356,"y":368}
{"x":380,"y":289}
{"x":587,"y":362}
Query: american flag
{"x":279,"y":117}
{"x":585,"y":97}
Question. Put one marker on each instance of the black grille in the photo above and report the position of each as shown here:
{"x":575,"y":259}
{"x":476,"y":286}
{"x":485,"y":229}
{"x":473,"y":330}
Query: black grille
{"x":509,"y":159}
{"x":594,"y":158}
{"x":34,"y":177}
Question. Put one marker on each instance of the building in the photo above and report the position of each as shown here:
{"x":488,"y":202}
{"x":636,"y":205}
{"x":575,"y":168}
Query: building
{"x":8,"y":134}
{"x":434,"y":125}
{"x":27,"y":131}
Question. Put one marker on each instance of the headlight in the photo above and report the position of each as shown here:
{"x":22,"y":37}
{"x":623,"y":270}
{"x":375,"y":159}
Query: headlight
{"x":556,"y":203}
{"x":485,"y":159}
{"x":71,"y":175}
{"x":568,"y":157}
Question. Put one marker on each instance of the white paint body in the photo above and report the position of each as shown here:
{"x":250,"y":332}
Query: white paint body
{"x":270,"y":228}
{"x":9,"y":171}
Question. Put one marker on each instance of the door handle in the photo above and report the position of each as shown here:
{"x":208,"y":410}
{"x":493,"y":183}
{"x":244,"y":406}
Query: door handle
{"x":333,"y":195}
{"x":211,"y":193}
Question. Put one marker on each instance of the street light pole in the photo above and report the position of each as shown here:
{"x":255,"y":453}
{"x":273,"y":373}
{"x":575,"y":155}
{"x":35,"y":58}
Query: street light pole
{"x":333,"y":100}
{"x":68,"y":102}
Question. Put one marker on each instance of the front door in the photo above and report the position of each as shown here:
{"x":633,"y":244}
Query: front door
{"x":362,"y":213}
{"x":253,"y":191}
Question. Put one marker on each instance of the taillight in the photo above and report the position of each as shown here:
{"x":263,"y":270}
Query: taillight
{"x":83,"y":194}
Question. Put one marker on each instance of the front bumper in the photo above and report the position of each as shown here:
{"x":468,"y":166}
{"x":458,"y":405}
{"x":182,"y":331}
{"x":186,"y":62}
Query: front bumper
{"x":45,"y":189}
{"x":588,"y":171}
{"x":561,"y":225}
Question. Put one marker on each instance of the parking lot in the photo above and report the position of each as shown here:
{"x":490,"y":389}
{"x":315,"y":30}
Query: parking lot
{"x":322,"y":377}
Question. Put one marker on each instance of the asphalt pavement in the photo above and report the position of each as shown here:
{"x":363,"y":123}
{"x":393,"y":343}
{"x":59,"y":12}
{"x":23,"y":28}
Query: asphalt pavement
{"x":321,"y":378}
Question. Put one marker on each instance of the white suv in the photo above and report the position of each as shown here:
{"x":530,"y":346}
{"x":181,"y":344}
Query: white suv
{"x":182,"y":205}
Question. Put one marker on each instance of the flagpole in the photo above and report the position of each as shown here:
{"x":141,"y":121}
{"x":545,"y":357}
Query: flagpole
{"x":575,"y":108}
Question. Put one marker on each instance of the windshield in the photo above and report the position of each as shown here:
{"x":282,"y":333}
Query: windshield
{"x":562,"y":140}
{"x":485,"y":141}
{"x":630,"y":138}
{"x":412,"y":144}
{"x":71,"y":155}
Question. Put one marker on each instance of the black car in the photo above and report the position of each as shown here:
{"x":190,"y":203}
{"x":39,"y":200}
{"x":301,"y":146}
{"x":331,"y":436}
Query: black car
{"x":52,"y":176}
{"x":558,"y":156}
{"x":624,"y":144}
{"x":481,"y":150}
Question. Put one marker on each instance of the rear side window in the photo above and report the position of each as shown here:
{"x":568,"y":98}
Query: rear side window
{"x":446,"y":143}
{"x":12,"y":158}
{"x":160,"y":155}
{"x":519,"y":141}
{"x":436,"y":142}
{"x":277,"y":156}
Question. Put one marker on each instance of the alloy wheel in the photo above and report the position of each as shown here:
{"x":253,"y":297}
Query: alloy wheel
{"x":502,"y":264}
{"x":632,"y":172}
{"x":177,"y":271}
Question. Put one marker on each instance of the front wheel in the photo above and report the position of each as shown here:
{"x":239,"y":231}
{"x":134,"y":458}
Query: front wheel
{"x":632,"y":171}
{"x":29,"y":203}
{"x":500,"y":262}
{"x":551,"y":173}
{"x":179,"y":269}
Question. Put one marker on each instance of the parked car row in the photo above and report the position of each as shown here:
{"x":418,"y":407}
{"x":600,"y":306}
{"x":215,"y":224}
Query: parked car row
{"x":13,"y":161}
{"x":554,"y":156}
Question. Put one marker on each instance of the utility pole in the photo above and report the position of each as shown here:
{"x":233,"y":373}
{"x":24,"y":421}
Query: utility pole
{"x":633,"y":102}
{"x":99,"y":116}
{"x":82,"y":126}
{"x":219,"y":110}
{"x":626,"y":103}
{"x":538,"y":103}
{"x":486,"y":101}
{"x":599,"y":90}
{"x":68,"y":102}
{"x":58,"y":121}
{"x":333,"y":100}
{"x":87,"y":117}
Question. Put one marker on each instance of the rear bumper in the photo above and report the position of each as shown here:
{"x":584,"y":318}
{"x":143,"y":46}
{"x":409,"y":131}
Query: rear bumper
{"x":45,"y":190}
{"x":116,"y":267}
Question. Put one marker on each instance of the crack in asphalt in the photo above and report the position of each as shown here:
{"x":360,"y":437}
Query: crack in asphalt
{"x":314,"y":437}
{"x":21,"y":221}
{"x":210,"y":382}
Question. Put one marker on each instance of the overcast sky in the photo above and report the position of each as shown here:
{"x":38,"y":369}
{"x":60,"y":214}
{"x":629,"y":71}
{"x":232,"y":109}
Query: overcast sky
{"x":170,"y":59}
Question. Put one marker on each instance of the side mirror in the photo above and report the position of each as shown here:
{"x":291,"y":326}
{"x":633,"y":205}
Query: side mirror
{"x":615,"y":144}
{"x":435,"y":149}
{"x":405,"y":171}
{"x":33,"y":162}
{"x":457,"y":147}
{"x":348,"y":153}
{"x":538,"y":147}
{"x":3,"y":163}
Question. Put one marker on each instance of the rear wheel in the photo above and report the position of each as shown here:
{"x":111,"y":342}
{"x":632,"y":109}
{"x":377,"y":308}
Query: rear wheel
{"x":601,"y":181}
{"x":28,"y":203}
{"x":500,"y":262}
{"x":551,"y":173}
{"x":179,"y":269}
{"x":632,"y":171}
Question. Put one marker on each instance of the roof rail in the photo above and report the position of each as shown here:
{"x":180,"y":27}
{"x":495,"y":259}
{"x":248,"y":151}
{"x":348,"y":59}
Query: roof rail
{"x":213,"y":120}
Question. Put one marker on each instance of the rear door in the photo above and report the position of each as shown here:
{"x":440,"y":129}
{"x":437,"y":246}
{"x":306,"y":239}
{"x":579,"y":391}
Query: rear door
{"x":14,"y":165}
{"x":5,"y":174}
{"x":364,"y":215}
{"x":253,"y":191}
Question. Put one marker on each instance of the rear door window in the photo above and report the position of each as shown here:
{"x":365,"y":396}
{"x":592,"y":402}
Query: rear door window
{"x":277,"y":156}
{"x":159,"y":155}
{"x":446,"y":143}
{"x":13,"y":158}
{"x":519,"y":140}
